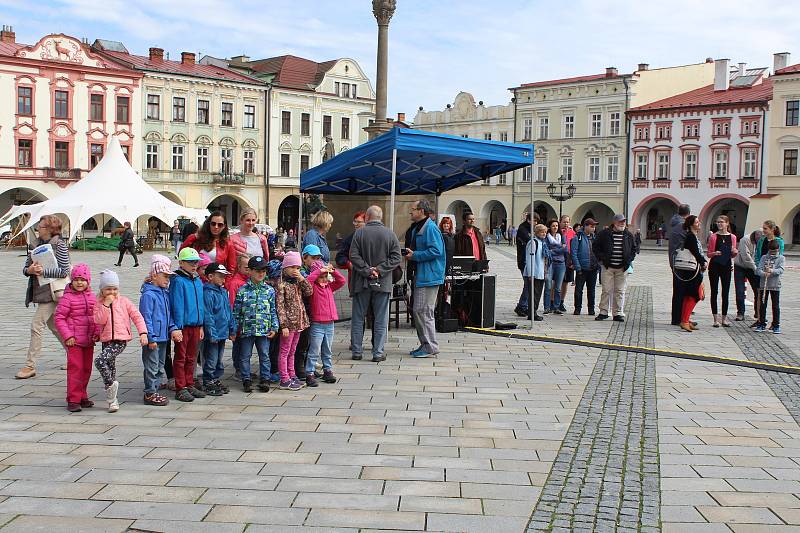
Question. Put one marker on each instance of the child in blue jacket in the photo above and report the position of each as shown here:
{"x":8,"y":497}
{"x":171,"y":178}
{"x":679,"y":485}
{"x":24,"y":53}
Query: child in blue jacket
{"x":186,"y":298}
{"x":218,"y":326}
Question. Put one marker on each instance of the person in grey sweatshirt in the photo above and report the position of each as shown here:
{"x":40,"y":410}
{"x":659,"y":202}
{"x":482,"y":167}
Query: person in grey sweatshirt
{"x":676,"y":235}
{"x":744,"y":271}
{"x":770,"y":269}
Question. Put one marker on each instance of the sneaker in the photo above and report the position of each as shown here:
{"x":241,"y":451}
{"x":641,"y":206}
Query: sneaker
{"x":311,"y":381}
{"x":155,"y":399}
{"x":263,"y":385}
{"x":576,"y":312}
{"x":520,"y":312}
{"x":591,"y":312}
{"x":86,"y":403}
{"x":601,"y":317}
{"x":247,"y":385}
{"x":111,"y":397}
{"x":224,"y":388}
{"x":378,"y":358}
{"x":113,"y":407}
{"x":538,"y":318}
{"x":420,"y":354}
{"x":619,"y":318}
{"x":285,"y":385}
{"x":197,"y":393}
{"x":548,"y":311}
{"x":415,"y":350}
{"x":295,"y":385}
{"x":184,"y":395}
{"x":25,"y":373}
{"x":301,"y":382}
{"x":73,"y":407}
{"x":328,"y":377}
{"x":562,"y":308}
{"x":760,"y":329}
{"x":558,"y":311}
{"x":214,"y":388}
{"x":739,"y":318}
{"x":355,"y":357}
{"x":318,"y":374}
{"x":776,"y":330}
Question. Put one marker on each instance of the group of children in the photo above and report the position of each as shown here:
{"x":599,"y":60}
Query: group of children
{"x":265,"y":304}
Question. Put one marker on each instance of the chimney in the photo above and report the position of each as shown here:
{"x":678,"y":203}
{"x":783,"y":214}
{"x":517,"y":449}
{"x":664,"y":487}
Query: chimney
{"x":721,"y":75}
{"x":7,"y":35}
{"x":240,"y":59}
{"x":643,"y":66}
{"x":401,"y":117}
{"x":187,"y":58}
{"x":781,"y":60}
{"x":156,"y":54}
{"x":742,"y":68}
{"x":611,"y":72}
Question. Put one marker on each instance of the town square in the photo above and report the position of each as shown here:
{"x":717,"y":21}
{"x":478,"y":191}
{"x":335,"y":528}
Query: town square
{"x":410,"y":280}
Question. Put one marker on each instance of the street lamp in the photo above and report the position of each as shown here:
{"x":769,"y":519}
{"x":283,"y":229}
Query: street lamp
{"x":562,"y":195}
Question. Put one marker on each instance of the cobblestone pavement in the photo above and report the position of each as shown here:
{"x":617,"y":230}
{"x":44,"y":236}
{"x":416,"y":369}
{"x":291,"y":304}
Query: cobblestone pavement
{"x":462,"y":442}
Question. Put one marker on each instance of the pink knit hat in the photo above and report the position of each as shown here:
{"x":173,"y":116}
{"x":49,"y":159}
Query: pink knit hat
{"x":204,"y":260}
{"x":316,"y":265}
{"x":160,"y":263}
{"x":291,"y":259}
{"x":81,"y":270}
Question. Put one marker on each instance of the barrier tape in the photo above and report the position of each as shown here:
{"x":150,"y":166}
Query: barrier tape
{"x":758,"y":365}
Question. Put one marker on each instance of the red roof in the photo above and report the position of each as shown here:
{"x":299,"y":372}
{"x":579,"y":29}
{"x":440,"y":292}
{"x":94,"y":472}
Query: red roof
{"x":196,"y":70}
{"x":792,"y":69}
{"x":10,"y":49}
{"x":707,"y":96}
{"x":292,"y":71}
{"x":576,"y":79}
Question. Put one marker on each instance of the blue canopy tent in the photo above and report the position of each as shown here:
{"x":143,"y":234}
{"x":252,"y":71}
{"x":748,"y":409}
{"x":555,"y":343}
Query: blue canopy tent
{"x":406,"y":161}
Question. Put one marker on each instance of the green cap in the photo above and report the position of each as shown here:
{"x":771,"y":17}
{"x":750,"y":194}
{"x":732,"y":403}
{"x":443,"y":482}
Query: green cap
{"x":188,"y":254}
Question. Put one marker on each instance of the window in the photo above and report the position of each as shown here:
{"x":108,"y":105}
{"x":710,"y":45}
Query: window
{"x":25,"y":153}
{"x":177,"y":157}
{"x":566,"y":168}
{"x":641,"y":166}
{"x":726,"y":129}
{"x":126,"y":151}
{"x":662,"y":165}
{"x":541,"y":171}
{"x":96,"y":107}
{"x":613,"y":168}
{"x":754,"y":128}
{"x":691,"y":130}
{"x":504,"y":136}
{"x":24,"y":100}
{"x":721,"y":164}
{"x":690,"y":165}
{"x":249,"y":116}
{"x":487,"y":136}
{"x":526,"y":174}
{"x":544,"y":128}
{"x":594,"y":169}
{"x":596,"y":125}
{"x":354,"y":89}
{"x":153,"y":107}
{"x":179,"y":109}
{"x":286,"y":122}
{"x":614,"y":123}
{"x":501,"y":179}
{"x":326,"y":125}
{"x":249,"y":162}
{"x":486,"y":181}
{"x":749,"y":158}
{"x":61,"y":108}
{"x":745,"y":127}
{"x":569,"y":126}
{"x":305,"y":125}
{"x":203,"y":112}
{"x":285,"y":165}
{"x":226,"y":161}
{"x":346,"y":90}
{"x":345,"y":128}
{"x":643,"y":133}
{"x":790,"y":162}
{"x":227,"y":115}
{"x":663,"y":132}
{"x":793,"y":113}
{"x":123,"y":108}
{"x":527,"y":128}
{"x":202,"y":158}
{"x":304,"y":163}
{"x":95,"y":154}
{"x":151,"y":158}
{"x":62,"y":155}
{"x":337,"y":88}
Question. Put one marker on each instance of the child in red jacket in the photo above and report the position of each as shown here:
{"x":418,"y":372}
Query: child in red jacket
{"x":326,"y":280}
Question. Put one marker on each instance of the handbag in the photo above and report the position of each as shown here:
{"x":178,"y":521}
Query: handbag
{"x":684,"y":260}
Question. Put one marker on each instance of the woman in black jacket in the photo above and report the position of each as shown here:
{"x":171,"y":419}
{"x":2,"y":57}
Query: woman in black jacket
{"x":449,"y":236}
{"x":691,"y":283}
{"x":127,"y":244}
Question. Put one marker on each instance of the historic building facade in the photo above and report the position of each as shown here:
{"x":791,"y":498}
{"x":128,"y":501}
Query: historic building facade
{"x":202,"y":128}
{"x":61,"y":103}
{"x":579,"y":130}
{"x":780,"y":199}
{"x":489,"y":200}
{"x":703,"y":148}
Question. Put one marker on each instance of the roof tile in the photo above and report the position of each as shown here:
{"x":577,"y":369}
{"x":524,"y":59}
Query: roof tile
{"x":197,"y":70}
{"x":576,"y":79}
{"x":792,"y":69}
{"x":707,"y":96}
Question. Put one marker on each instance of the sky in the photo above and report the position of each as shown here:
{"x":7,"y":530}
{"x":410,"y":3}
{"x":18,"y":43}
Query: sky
{"x":437,"y":48}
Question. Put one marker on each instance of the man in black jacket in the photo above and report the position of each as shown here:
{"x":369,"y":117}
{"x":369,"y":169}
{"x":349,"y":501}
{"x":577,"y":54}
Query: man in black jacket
{"x":615,"y":249}
{"x":523,"y":236}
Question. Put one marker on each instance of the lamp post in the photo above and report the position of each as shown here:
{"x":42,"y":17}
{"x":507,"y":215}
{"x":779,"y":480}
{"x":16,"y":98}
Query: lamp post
{"x":562,"y":195}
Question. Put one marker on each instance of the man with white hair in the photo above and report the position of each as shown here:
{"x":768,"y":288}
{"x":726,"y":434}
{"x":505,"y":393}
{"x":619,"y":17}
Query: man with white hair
{"x":374,"y":254}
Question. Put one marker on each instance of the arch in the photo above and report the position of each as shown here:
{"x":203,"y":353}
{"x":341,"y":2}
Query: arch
{"x":179,"y":138}
{"x":791,"y":224}
{"x":153,"y":136}
{"x":205,"y":140}
{"x":653,"y":212}
{"x":90,"y":225}
{"x":289,"y":212}
{"x":457,"y":208}
{"x":249,"y":143}
{"x":305,"y":148}
{"x":599,"y":211}
{"x":543,"y":209}
{"x":171,"y":196}
{"x":230,"y":204}
{"x":19,"y":196}
{"x":227,"y":142}
{"x":733,"y":205}
{"x":285,"y":146}
{"x":493,"y":213}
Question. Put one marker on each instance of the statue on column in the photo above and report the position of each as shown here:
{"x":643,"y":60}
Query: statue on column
{"x":329,"y":151}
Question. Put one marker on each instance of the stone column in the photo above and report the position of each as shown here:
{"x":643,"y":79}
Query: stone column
{"x":383,"y":11}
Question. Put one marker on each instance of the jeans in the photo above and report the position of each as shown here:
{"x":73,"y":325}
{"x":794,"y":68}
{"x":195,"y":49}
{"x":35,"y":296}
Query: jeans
{"x":320,"y":340}
{"x":587,"y":278}
{"x":719,"y":273}
{"x":213,"y":368}
{"x":613,"y":281}
{"x":552,"y":285}
{"x":424,"y":321}
{"x":262,"y":345}
{"x":740,"y":277}
{"x":380,"y":324}
{"x":152,"y":361}
{"x":775,"y":296}
{"x":524,"y":298}
{"x":177,"y":244}
{"x":236,"y":353}
{"x":538,"y":287}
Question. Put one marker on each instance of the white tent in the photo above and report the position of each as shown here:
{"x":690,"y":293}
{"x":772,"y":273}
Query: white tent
{"x":113,"y":188}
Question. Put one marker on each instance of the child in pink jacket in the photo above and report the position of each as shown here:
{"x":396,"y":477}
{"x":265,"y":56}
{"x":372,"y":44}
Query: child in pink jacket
{"x":113,"y":314}
{"x":74,"y":320}
{"x":326,"y":280}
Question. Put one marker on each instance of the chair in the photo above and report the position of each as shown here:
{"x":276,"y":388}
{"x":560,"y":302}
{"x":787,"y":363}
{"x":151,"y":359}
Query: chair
{"x":399,"y":295}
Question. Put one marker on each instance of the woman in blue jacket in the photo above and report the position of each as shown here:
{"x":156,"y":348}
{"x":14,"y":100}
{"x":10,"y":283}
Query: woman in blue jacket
{"x":320,"y":225}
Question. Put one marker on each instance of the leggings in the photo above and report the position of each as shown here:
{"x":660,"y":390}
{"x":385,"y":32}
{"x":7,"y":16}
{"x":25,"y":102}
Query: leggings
{"x":132,"y":250}
{"x":688,"y":306}
{"x":106,"y":362}
{"x":717,"y":273}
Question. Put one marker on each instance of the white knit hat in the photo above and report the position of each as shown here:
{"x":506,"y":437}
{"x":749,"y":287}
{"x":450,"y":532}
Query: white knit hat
{"x":108,"y":278}
{"x":160,"y":263}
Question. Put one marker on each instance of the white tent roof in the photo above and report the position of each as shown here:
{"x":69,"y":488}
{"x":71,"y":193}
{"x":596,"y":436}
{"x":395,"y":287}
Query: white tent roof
{"x":113,"y":188}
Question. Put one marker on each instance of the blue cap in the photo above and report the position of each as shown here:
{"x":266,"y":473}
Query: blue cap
{"x":312,"y":249}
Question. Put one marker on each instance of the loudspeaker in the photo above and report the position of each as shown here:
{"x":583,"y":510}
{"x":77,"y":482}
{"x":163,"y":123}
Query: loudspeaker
{"x":488,"y":287}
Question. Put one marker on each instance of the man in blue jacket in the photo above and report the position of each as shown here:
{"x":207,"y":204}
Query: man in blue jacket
{"x":429,"y":258}
{"x":585,"y":264}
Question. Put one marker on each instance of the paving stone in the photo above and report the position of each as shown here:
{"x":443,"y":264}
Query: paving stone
{"x":368,"y":519}
{"x":319,"y":500}
{"x":172,"y":526}
{"x":48,"y":524}
{"x":154,"y":511}
{"x":257,"y":515}
{"x":52,"y":507}
{"x":51,"y":489}
{"x":148,"y":493}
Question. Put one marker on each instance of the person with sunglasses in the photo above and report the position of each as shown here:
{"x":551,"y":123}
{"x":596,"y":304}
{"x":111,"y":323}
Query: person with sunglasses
{"x":213,"y":240}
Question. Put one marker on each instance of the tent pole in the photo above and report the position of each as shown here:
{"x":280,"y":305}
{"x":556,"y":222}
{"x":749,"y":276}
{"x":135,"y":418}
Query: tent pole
{"x":300,"y":221}
{"x":530,"y":214}
{"x":394,"y":178}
